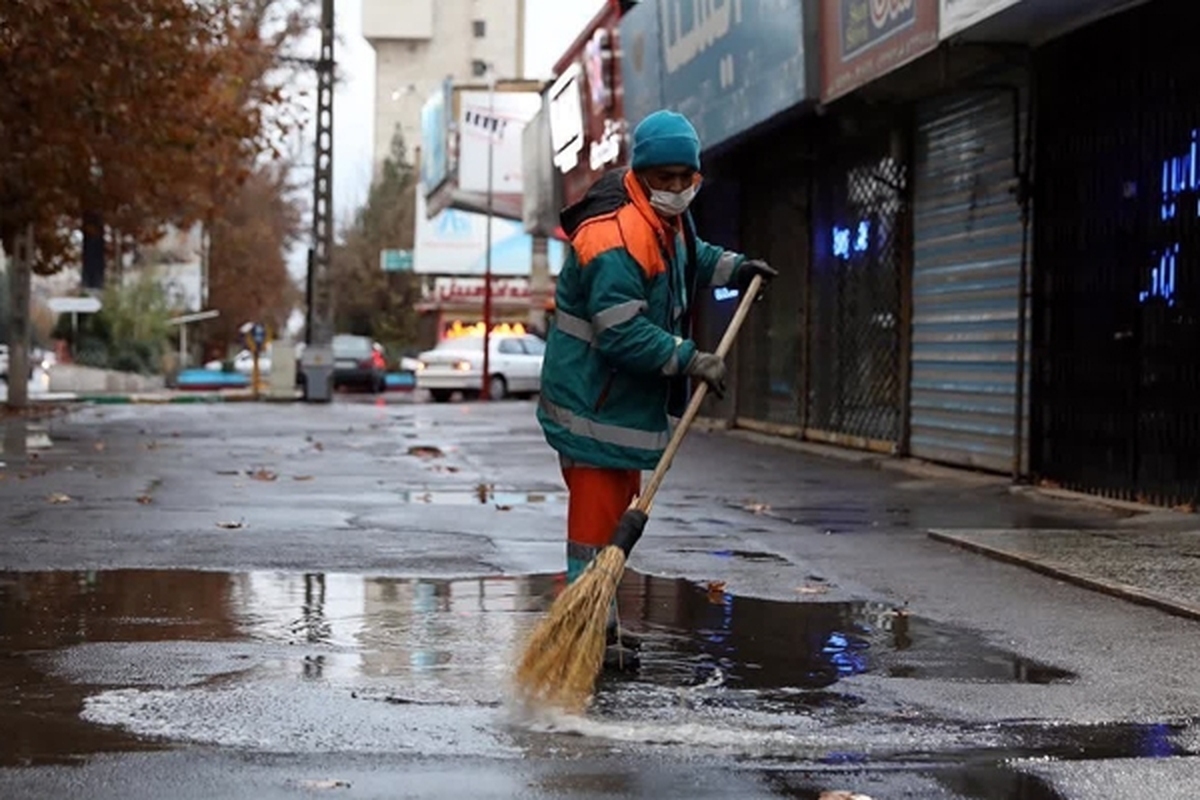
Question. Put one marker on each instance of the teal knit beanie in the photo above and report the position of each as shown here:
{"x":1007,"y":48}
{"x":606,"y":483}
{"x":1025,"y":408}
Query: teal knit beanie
{"x":665,"y":139}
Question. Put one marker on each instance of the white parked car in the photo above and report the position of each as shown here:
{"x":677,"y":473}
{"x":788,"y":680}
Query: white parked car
{"x":456,"y":365}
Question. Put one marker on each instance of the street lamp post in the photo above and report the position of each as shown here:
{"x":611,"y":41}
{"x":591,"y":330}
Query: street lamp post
{"x":486,"y":391}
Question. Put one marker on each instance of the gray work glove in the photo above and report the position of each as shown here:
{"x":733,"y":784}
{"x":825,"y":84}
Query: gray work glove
{"x":748,"y":269}
{"x":709,"y":368}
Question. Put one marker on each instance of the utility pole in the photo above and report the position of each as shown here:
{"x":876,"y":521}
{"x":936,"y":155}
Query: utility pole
{"x":486,"y":390}
{"x":317,"y":362}
{"x":322,"y":231}
{"x":20,"y":275}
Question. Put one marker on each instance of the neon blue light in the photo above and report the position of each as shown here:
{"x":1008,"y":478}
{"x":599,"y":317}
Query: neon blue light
{"x":1162,"y":277}
{"x":1179,"y":175}
{"x":721,"y":294}
{"x":841,"y":242}
{"x":847,"y":241}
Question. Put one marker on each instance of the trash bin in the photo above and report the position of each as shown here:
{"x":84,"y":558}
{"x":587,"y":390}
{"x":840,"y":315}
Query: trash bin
{"x":317,"y":368}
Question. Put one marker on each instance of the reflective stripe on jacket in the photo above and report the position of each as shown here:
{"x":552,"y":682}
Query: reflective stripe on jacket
{"x":619,"y":318}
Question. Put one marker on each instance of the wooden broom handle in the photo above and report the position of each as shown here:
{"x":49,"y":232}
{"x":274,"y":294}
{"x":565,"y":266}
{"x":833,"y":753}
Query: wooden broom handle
{"x":664,"y":463}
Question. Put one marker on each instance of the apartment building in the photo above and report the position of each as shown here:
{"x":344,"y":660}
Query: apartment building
{"x":420,"y":43}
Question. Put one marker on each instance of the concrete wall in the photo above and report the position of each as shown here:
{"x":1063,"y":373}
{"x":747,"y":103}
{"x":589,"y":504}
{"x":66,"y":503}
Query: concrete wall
{"x":89,"y":380}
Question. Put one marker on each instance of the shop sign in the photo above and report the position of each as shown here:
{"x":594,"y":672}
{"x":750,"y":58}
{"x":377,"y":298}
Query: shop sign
{"x":958,"y":15}
{"x":468,"y":291}
{"x":566,"y":119}
{"x":726,"y":64}
{"x":865,"y":39}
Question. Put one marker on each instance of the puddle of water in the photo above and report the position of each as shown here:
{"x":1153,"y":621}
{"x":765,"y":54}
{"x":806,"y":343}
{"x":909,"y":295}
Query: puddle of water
{"x":482,"y":495}
{"x":308,"y":662}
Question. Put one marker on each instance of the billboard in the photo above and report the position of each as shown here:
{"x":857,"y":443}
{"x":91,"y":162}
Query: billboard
{"x":493,"y":121}
{"x":728,"y":65}
{"x":862,"y":40}
{"x":958,"y":15}
{"x":454,"y":242}
{"x":435,"y":130}
{"x":541,"y":200}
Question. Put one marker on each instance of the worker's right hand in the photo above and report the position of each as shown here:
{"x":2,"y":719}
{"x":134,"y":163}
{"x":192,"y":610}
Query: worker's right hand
{"x":710,"y":368}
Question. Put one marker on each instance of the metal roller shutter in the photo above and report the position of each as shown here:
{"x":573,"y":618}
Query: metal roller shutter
{"x":966,"y":276}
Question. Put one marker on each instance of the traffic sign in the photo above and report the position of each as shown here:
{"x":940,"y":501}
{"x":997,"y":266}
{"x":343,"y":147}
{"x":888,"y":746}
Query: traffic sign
{"x":396,"y":260}
{"x":73,"y":305}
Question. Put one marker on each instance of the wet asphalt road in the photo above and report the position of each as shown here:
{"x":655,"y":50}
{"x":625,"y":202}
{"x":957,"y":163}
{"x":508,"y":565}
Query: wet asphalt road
{"x":287,"y":600}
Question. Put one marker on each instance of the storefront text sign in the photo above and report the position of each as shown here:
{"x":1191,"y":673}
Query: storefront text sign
{"x":865,"y":39}
{"x":467,"y":291}
{"x":958,"y":15}
{"x":727,"y":64}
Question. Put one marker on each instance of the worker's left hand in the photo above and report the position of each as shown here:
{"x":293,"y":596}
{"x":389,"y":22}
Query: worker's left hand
{"x":751,"y":267}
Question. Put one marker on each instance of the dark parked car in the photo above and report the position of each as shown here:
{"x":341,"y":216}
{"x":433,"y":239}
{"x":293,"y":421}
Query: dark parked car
{"x":359,"y":362}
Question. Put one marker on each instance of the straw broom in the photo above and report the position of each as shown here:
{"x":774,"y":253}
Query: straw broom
{"x":565,"y":652}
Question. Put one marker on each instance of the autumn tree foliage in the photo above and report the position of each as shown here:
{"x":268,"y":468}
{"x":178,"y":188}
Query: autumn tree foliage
{"x":248,"y":275}
{"x":133,"y":113}
{"x":367,"y":300}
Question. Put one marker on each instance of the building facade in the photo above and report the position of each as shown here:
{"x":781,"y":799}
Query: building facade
{"x":981,"y":211}
{"x":419,"y":44}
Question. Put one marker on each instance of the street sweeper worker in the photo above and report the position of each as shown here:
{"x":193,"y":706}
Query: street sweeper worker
{"x":619,"y":355}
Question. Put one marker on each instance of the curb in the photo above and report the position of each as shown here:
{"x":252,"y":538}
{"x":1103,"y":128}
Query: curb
{"x":1121,"y":591}
{"x":907,"y":466}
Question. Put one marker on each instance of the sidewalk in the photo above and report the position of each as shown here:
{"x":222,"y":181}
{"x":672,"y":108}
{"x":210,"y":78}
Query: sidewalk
{"x":1150,"y":557}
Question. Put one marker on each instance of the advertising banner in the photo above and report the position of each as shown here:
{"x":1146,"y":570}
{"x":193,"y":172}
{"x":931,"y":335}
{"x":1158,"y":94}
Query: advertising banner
{"x":454,"y":242}
{"x":728,"y":65}
{"x":541,"y":199}
{"x":862,"y":40}
{"x":495,"y":121}
{"x":958,"y":15}
{"x":435,"y":157}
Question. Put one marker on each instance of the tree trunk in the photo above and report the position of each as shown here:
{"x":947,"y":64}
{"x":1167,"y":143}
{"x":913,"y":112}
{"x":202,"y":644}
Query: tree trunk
{"x":19,"y":275}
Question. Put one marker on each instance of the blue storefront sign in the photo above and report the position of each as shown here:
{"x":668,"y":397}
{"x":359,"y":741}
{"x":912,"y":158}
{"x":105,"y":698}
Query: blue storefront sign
{"x":729,"y":65}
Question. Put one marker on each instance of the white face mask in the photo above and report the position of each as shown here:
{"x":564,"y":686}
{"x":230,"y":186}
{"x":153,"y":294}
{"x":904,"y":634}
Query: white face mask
{"x":672,"y":204}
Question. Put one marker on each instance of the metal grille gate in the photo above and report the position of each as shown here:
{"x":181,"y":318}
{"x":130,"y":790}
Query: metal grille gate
{"x":1117,"y":254}
{"x":858,"y":247}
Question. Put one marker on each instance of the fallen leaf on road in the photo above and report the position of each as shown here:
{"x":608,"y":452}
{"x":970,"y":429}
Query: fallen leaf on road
{"x":264,"y":475}
{"x":58,"y":498}
{"x":1186,"y":508}
{"x":302,"y":477}
{"x":716,"y":592}
{"x":150,"y":446}
{"x":812,"y":589}
{"x":231,"y":526}
{"x":1046,"y":483}
{"x":99,"y":447}
{"x":145,"y":499}
{"x":322,"y":785}
{"x":424,"y":451}
{"x":504,"y":508}
{"x":843,"y":796}
{"x":318,"y":447}
{"x":756,"y":508}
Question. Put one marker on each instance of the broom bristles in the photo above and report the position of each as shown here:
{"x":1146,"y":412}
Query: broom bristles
{"x":565,"y":652}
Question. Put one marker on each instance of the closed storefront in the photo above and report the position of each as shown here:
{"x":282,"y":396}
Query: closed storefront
{"x":859,"y":248}
{"x":1117,"y":254}
{"x":967,"y":246}
{"x":772,"y":380}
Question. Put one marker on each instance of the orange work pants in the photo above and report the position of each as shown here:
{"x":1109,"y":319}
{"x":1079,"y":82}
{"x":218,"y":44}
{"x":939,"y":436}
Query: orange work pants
{"x":597,"y":498}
